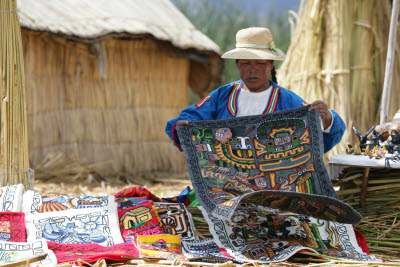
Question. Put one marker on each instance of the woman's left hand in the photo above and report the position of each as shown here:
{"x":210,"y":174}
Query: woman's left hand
{"x":324,"y":112}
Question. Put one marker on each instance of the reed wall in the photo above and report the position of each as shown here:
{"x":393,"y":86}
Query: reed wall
{"x":104,"y":101}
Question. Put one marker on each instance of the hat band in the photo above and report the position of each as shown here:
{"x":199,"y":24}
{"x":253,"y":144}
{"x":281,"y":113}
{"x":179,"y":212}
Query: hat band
{"x":251,"y":46}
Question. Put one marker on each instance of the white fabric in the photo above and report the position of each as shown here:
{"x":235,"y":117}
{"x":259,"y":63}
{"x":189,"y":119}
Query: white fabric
{"x":11,"y":198}
{"x":94,"y":221}
{"x":327,"y":130}
{"x":339,"y":162}
{"x":18,"y":251}
{"x":252,"y":103}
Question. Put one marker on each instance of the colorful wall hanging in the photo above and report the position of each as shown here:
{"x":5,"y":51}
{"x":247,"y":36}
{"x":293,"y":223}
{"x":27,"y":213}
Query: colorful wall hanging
{"x":242,"y":159}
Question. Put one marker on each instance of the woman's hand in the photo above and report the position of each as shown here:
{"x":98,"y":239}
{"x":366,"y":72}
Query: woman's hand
{"x":324,"y":112}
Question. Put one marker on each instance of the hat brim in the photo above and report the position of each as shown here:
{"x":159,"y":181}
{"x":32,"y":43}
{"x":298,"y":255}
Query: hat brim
{"x":251,"y":53}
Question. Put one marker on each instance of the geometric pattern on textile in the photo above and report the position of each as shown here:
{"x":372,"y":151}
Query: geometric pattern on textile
{"x":176,"y":220}
{"x":36,"y":202}
{"x":76,"y":226}
{"x":18,"y":251}
{"x":205,"y":249}
{"x":12,"y":226}
{"x":160,"y":246}
{"x":234,"y":159}
{"x":137,"y":219}
{"x":11,"y":198}
{"x":267,"y":235}
{"x":92,"y":252}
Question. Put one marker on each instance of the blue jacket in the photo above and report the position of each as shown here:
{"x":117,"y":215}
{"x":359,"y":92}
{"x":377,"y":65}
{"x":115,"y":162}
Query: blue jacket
{"x":222,"y":104}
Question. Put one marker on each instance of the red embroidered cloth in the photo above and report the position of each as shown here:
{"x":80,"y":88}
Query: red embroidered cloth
{"x":92,"y":252}
{"x":12,"y":226}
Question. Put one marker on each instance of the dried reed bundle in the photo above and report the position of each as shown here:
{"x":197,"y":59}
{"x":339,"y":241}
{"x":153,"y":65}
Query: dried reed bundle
{"x":340,"y":58}
{"x":380,"y":225}
{"x":14,"y":161}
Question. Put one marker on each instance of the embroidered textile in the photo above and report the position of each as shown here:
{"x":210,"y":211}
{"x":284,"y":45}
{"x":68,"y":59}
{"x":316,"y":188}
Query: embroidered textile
{"x":92,"y":252}
{"x":205,"y":250}
{"x":11,"y":252}
{"x":11,"y":197}
{"x":76,"y":226}
{"x":12,"y":226}
{"x":160,"y":246}
{"x":267,"y":235}
{"x":137,"y":219}
{"x":176,"y":220}
{"x":36,"y":202}
{"x":275,"y":158}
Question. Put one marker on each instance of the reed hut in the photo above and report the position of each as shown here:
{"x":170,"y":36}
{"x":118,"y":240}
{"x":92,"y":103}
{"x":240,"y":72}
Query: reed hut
{"x":103,"y":77}
{"x":338,"y":54}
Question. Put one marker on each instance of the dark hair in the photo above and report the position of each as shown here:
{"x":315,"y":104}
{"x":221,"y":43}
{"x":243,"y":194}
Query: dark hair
{"x":273,"y":73}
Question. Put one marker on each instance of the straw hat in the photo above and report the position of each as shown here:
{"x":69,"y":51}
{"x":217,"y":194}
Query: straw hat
{"x":255,"y":43}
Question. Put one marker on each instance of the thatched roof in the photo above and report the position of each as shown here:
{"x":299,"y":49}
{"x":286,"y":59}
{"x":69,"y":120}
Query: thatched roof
{"x":93,"y":19}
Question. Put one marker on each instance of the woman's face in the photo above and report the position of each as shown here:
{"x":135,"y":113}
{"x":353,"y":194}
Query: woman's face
{"x":255,"y":73}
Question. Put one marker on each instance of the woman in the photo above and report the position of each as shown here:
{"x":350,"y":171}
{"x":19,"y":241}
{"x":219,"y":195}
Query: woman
{"x":255,"y":93}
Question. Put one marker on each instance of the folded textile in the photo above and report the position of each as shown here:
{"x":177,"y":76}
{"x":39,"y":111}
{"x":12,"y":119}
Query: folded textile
{"x":137,"y":217}
{"x":268,"y":235}
{"x":12,"y":226}
{"x":11,"y":252}
{"x":36,"y":202}
{"x":160,"y":246}
{"x":205,"y":250}
{"x":92,"y":252}
{"x":11,"y":197}
{"x":133,"y":192}
{"x":176,"y":220}
{"x":76,"y":226}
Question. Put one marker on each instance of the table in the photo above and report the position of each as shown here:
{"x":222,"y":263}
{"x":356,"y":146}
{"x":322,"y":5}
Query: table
{"x":337,"y":163}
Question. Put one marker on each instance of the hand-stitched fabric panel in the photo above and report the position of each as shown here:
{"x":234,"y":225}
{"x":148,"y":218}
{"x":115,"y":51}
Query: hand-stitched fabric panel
{"x":267,"y":235}
{"x":76,"y":226}
{"x":205,"y":250}
{"x":12,"y":226}
{"x":176,"y":220}
{"x":11,"y":197}
{"x":160,"y":246}
{"x":92,"y":252}
{"x":137,"y":217}
{"x":36,"y":202}
{"x":11,"y":252}
{"x":281,"y":151}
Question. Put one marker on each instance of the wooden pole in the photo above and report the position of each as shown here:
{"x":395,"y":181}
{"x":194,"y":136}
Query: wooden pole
{"x":389,"y":62}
